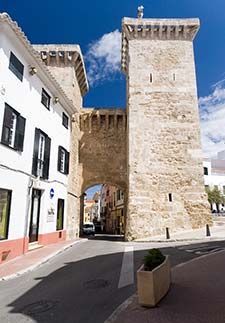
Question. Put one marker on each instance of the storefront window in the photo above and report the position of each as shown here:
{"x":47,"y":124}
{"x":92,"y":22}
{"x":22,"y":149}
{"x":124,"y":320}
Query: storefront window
{"x":5,"y":201}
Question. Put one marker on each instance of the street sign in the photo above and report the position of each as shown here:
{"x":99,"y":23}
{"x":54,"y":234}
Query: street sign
{"x":52,"y":193}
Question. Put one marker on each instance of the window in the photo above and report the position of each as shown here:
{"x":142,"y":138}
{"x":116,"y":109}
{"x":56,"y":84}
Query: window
{"x":118,"y":195}
{"x":45,"y":99}
{"x":13,"y":129}
{"x":41,"y":154}
{"x":60,"y":214}
{"x":5,"y":202}
{"x":65,"y":120}
{"x":170,"y":197}
{"x":16,"y":66}
{"x":151,"y":79}
{"x":63,"y":160}
{"x":205,"y":171}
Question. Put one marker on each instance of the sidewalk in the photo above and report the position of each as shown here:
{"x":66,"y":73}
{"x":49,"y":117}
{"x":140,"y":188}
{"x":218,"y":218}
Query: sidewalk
{"x":33,"y":259}
{"x":196,"y":295}
{"x":217,"y":232}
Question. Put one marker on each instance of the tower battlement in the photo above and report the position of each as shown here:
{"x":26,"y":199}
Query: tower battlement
{"x":94,"y":119}
{"x":65,"y":56}
{"x":156,"y":29}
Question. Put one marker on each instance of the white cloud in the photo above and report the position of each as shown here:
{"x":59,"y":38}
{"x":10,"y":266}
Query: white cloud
{"x":212,"y":115}
{"x":103,"y":58}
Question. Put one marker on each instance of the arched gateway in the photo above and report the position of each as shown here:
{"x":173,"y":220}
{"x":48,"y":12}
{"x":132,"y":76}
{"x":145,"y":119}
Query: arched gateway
{"x":102,"y":149}
{"x":152,"y":149}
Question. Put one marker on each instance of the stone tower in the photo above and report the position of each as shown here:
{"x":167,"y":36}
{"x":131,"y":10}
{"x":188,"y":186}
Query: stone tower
{"x":165,"y":172}
{"x":67,"y":66}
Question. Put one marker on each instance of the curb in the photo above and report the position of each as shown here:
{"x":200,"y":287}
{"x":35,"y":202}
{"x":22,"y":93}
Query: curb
{"x":183,"y":240}
{"x":41,"y":262}
{"x":120,"y":309}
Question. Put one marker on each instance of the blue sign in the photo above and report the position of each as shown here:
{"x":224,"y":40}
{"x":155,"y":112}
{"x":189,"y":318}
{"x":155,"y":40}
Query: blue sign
{"x":52,"y":193}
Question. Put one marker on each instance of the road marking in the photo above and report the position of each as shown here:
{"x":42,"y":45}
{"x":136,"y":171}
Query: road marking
{"x":127,"y":269}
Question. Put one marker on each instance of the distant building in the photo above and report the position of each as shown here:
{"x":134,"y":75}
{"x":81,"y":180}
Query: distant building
{"x":88,"y":210}
{"x":214,"y":174}
{"x":112,"y":209}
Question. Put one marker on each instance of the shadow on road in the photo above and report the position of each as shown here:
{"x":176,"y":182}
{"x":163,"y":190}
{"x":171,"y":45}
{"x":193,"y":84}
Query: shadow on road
{"x":106,"y":237}
{"x":85,"y":291}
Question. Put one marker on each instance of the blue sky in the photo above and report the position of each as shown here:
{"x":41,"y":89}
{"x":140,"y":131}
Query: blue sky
{"x":96,"y":25}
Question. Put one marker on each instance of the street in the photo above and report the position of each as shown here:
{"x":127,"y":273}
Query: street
{"x":85,"y":283}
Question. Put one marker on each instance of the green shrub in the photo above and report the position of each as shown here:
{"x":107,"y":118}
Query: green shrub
{"x":153,"y":259}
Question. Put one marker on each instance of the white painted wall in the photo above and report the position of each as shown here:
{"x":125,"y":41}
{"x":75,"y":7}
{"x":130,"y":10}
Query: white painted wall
{"x":214,"y":179}
{"x":25,"y":97}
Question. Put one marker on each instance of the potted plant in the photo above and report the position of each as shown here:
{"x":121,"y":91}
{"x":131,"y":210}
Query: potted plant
{"x":153,"y":278}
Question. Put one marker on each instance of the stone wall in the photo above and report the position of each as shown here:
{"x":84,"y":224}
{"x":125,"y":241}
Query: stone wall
{"x":165,"y":179}
{"x":102,"y":153}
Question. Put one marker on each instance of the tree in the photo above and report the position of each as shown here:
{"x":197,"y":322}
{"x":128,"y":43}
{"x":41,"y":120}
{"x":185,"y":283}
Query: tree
{"x":215,"y":196}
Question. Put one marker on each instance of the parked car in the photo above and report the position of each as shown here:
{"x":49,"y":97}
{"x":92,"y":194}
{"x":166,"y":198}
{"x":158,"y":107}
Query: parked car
{"x":89,"y":228}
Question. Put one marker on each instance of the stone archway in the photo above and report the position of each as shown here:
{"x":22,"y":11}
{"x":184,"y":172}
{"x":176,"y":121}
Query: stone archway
{"x":102,"y":149}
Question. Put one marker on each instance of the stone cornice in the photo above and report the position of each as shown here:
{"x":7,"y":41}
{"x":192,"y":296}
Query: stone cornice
{"x":42,"y":70}
{"x":156,"y":29}
{"x":67,"y":54}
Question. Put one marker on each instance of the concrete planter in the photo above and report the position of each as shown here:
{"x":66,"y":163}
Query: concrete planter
{"x":153,"y":285}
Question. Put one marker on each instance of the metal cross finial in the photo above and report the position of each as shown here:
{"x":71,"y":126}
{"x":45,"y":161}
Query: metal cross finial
{"x":140,"y":12}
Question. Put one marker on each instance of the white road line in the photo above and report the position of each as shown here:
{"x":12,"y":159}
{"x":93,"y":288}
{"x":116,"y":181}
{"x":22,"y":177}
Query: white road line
{"x":127,"y":269}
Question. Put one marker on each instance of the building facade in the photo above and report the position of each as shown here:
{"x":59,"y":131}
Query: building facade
{"x":35,"y":129}
{"x":112,"y":209}
{"x":214,"y":176}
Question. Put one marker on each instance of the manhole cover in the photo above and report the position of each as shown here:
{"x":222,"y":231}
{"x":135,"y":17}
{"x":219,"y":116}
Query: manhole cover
{"x":38,"y":307}
{"x":96,"y":283}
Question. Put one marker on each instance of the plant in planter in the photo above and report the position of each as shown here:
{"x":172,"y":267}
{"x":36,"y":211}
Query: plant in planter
{"x":153,"y":278}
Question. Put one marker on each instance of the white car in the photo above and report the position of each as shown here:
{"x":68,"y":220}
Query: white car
{"x":88,"y":228}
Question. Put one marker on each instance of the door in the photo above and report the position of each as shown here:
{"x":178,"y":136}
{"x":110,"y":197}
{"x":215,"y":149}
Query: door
{"x":35,"y":214}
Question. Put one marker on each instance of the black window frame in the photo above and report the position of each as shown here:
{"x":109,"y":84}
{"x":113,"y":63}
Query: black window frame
{"x":47,"y":152}
{"x":206,"y":171}
{"x":16,"y":67}
{"x":58,"y":228}
{"x":61,"y":150}
{"x":45,"y":94}
{"x":65,"y":120}
{"x":7,"y":127}
{"x":9,"y":199}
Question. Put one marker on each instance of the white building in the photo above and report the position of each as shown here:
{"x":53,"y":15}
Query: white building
{"x":214,"y":174}
{"x":34,"y":147}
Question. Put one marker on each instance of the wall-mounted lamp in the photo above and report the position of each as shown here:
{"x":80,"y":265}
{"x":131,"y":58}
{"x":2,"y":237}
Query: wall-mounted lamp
{"x":32,"y":70}
{"x":56,"y":100}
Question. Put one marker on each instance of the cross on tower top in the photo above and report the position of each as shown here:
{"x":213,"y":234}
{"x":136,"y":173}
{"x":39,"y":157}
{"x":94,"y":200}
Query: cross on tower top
{"x":140,"y":12}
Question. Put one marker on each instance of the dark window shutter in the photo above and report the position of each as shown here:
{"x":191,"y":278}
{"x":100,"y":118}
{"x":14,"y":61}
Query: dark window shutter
{"x":67,"y":161}
{"x":59,"y":158}
{"x":16,"y":66}
{"x":46,"y":157}
{"x":35,"y":151}
{"x":20,"y":129}
{"x":7,"y":124}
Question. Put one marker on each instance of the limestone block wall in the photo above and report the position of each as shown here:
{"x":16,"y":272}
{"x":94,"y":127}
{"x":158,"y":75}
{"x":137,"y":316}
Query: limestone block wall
{"x":165,"y":171}
{"x":102,"y":153}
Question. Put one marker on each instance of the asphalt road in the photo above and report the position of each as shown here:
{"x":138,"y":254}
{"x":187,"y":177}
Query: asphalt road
{"x":83,"y":284}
